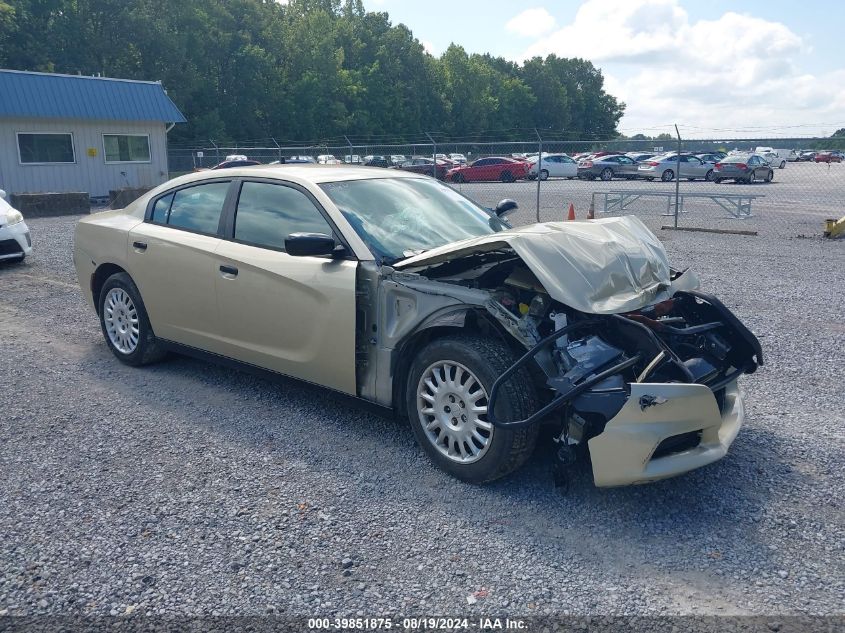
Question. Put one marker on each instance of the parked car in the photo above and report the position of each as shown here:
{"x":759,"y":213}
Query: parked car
{"x":774,"y":159}
{"x":807,"y":156}
{"x":301,"y":159}
{"x":491,"y":168}
{"x":828,"y":157}
{"x":711,"y":157}
{"x":664,"y":167}
{"x":640,"y":156}
{"x":353,"y":159}
{"x":608,"y":167}
{"x":328,"y":159}
{"x":241,"y":162}
{"x":743,"y":168}
{"x":306,"y":273}
{"x":554,"y":166}
{"x":460,"y":159}
{"x":425,"y":166}
{"x":378,"y":161}
{"x":397,"y":159}
{"x":15,"y":240}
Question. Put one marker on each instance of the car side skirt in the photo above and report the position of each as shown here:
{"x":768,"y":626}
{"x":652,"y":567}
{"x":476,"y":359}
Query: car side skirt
{"x":269,"y":374}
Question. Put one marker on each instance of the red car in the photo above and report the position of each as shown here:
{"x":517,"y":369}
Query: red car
{"x":828,"y":157}
{"x":492,"y":168}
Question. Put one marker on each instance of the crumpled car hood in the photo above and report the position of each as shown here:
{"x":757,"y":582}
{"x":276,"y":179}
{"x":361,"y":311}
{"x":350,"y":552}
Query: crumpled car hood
{"x":604,"y":266}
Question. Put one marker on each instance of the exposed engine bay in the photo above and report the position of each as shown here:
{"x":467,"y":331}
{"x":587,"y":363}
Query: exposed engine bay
{"x":588,"y":362}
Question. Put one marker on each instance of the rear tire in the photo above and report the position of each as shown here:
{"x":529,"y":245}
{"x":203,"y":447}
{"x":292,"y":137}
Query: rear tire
{"x":122,"y":312}
{"x":482,"y":360}
{"x":606,"y":174}
{"x":667,"y":175}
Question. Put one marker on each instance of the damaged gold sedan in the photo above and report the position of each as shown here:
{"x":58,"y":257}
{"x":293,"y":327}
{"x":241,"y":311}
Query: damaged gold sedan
{"x":395,"y":289}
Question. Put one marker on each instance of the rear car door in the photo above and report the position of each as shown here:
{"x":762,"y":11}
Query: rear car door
{"x":171,"y":260}
{"x":293,"y":315}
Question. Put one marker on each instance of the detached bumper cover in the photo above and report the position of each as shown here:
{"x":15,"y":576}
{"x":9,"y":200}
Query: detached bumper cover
{"x":623,"y":453}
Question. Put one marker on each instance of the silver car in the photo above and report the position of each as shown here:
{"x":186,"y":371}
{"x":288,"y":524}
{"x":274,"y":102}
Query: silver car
{"x":608,"y":167}
{"x":664,"y":167}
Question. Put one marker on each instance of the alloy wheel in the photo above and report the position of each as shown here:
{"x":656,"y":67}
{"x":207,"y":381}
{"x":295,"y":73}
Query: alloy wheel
{"x":121,"y":319}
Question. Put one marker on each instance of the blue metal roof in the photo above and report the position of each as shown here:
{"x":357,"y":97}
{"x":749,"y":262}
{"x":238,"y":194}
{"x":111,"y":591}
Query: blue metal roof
{"x":53,"y":96}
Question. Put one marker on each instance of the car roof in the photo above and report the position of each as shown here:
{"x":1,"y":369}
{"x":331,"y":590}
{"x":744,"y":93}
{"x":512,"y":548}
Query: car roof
{"x":308,"y":173}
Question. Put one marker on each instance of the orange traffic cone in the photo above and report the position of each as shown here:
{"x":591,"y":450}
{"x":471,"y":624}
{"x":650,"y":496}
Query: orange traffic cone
{"x":591,"y":213}
{"x":571,"y":215}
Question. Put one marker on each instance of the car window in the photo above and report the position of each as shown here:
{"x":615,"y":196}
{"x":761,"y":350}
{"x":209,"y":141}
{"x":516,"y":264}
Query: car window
{"x":268,"y":213}
{"x":625,"y":159}
{"x":198,"y":208}
{"x":161,"y":209}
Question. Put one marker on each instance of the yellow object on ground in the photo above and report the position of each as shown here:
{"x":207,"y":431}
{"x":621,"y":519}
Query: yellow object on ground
{"x":834,"y":228}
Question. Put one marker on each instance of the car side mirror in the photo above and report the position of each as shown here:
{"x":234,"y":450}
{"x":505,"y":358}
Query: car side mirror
{"x":309,"y":244}
{"x":505,"y":207}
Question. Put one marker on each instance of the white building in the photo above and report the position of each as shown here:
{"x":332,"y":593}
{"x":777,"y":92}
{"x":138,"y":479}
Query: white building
{"x":69,"y":133}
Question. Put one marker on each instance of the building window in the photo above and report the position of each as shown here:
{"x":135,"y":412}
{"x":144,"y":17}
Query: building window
{"x":45,"y":148}
{"x":126,"y":148}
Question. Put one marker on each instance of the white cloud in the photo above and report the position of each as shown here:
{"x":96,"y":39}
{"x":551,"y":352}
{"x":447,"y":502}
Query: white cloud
{"x":736,"y":72}
{"x":531,"y":23}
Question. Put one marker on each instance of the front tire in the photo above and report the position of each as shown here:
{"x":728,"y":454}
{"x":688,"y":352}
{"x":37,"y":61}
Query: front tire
{"x":458,"y":178}
{"x":544,"y":174}
{"x":460,"y":370}
{"x":125,"y":324}
{"x":506,"y":176}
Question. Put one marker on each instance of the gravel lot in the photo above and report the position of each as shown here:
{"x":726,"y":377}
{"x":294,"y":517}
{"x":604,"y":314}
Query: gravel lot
{"x":185,"y":488}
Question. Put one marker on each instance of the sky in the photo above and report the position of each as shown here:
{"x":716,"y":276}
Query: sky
{"x":716,"y":68}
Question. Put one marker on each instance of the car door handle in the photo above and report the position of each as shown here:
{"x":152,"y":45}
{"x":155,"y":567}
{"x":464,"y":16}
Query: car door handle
{"x":141,"y":246}
{"x":229,"y":270}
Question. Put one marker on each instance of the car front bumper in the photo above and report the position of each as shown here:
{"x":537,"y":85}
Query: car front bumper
{"x":15,"y":241}
{"x":655,"y":415}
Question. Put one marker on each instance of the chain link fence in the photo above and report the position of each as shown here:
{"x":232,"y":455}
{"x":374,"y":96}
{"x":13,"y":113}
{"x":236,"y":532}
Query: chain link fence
{"x":709,"y":185}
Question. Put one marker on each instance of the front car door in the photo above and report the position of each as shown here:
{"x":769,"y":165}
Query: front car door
{"x":293,"y":315}
{"x":171,"y":260}
{"x":567,"y":167}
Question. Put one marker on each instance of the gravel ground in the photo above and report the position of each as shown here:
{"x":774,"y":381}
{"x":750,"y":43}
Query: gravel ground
{"x":185,"y":488}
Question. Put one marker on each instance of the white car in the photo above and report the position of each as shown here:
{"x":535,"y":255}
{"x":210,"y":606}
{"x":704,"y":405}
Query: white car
{"x":328,"y":159}
{"x":15,"y":242}
{"x":554,"y":166}
{"x":458,"y":158}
